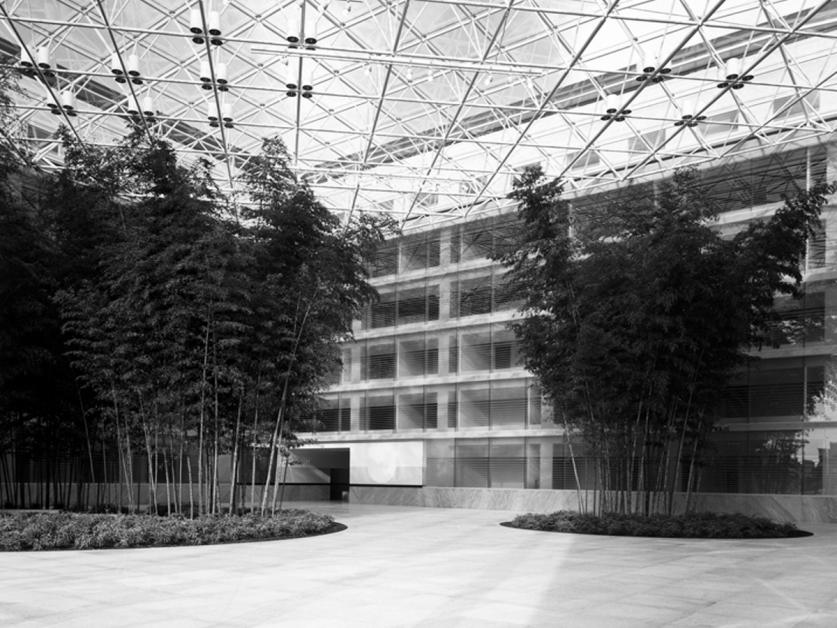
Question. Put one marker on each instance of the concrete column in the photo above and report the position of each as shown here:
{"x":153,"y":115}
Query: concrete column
{"x":356,"y":404}
{"x":444,"y":349}
{"x":442,"y":409}
{"x":444,"y":247}
{"x":444,"y":299}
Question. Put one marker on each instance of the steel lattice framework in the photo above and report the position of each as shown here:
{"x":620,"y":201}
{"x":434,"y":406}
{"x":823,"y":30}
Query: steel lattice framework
{"x":426,"y":109}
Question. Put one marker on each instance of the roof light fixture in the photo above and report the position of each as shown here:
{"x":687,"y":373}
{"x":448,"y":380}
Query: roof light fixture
{"x":221,"y":77}
{"x":650,"y":65}
{"x":196,"y":26}
{"x":614,"y":110}
{"x":26,"y":60}
{"x":43,"y":57}
{"x":43,"y":61}
{"x":290,"y":82}
{"x":132,"y":107}
{"x":215,"y":28}
{"x":206,"y":75}
{"x":212,"y":114}
{"x":148,"y":106}
{"x":311,"y":32}
{"x":116,"y":68}
{"x":731,"y":74}
{"x":292,"y":34}
{"x":68,"y":100}
{"x":133,"y":69}
{"x":26,"y":63}
{"x":689,"y":117}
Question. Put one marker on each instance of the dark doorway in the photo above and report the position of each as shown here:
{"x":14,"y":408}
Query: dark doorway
{"x":339,"y":485}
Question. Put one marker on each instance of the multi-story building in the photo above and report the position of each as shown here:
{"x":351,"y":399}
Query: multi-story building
{"x":434,"y":406}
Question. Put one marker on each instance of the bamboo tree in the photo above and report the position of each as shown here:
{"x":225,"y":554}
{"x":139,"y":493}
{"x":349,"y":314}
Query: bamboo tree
{"x":636,"y":312}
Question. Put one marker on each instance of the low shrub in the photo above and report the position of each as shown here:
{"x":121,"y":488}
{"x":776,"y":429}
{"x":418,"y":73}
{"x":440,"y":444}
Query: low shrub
{"x":689,"y":525}
{"x":65,"y":530}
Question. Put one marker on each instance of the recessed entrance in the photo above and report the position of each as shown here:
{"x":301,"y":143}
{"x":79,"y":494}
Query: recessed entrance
{"x":334,"y":463}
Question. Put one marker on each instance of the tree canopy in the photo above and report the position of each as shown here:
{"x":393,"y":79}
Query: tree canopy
{"x":186,"y":330}
{"x":636,"y":312}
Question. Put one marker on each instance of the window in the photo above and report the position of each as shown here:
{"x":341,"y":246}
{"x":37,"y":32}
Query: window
{"x":417,"y":411}
{"x":503,"y":355}
{"x":379,"y":413}
{"x":427,"y":199}
{"x":418,"y":305}
{"x":382,"y":313}
{"x":817,"y":247}
{"x":473,"y":186}
{"x":646,"y":142}
{"x":586,"y":159}
{"x":780,"y":390}
{"x":721,"y":123}
{"x":800,"y":321}
{"x":418,"y":253}
{"x":800,"y":106}
{"x":380,"y":361}
{"x":475,"y":241}
{"x":385,"y":260}
{"x":418,"y":357}
{"x":470,"y":297}
{"x":333,"y":415}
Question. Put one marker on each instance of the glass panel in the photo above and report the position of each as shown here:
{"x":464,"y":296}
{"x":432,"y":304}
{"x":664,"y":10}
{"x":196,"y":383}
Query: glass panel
{"x":472,"y":463}
{"x":378,"y":413}
{"x":379,"y":360}
{"x":507,"y":468}
{"x":440,"y":463}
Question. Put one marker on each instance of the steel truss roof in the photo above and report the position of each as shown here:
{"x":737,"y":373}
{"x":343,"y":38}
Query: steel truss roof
{"x":427,"y":108}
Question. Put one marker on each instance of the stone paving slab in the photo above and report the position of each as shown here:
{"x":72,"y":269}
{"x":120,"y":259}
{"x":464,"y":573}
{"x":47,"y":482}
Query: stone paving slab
{"x":403,"y":566}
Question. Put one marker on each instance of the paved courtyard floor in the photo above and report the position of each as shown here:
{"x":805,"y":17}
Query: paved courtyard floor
{"x":397,"y":566}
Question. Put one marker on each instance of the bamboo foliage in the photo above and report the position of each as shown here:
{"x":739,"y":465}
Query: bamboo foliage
{"x":637,"y":312}
{"x":178,"y":321}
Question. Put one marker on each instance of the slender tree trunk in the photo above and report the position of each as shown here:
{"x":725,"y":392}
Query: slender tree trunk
{"x":149,"y":453}
{"x":284,"y":480}
{"x":124,"y":467}
{"x":273,"y":445}
{"x":276,"y":482}
{"x":673,"y":485}
{"x":216,"y":498}
{"x":181,"y":457}
{"x":254,"y":438}
{"x":280,"y":417}
{"x":234,"y":460}
{"x":581,"y":507}
{"x":166,"y":477}
{"x":191,"y":494}
{"x":87,"y":436}
{"x":690,"y":482}
{"x":202,"y":415}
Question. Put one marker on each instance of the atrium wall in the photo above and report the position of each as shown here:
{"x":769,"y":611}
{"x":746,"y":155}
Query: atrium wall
{"x":434,"y":370}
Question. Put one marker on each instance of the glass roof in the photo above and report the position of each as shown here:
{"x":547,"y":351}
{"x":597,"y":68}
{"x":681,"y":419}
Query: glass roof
{"x":426,"y":109}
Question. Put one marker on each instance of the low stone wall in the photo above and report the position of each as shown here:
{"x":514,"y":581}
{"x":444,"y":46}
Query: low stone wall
{"x":812,"y":508}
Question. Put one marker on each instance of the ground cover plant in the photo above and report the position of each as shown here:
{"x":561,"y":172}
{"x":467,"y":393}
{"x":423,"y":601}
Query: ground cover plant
{"x":697,"y":525}
{"x":65,"y":530}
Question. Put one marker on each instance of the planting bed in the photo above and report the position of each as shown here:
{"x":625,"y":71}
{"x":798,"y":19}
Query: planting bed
{"x":65,"y":530}
{"x":690,"y":525}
